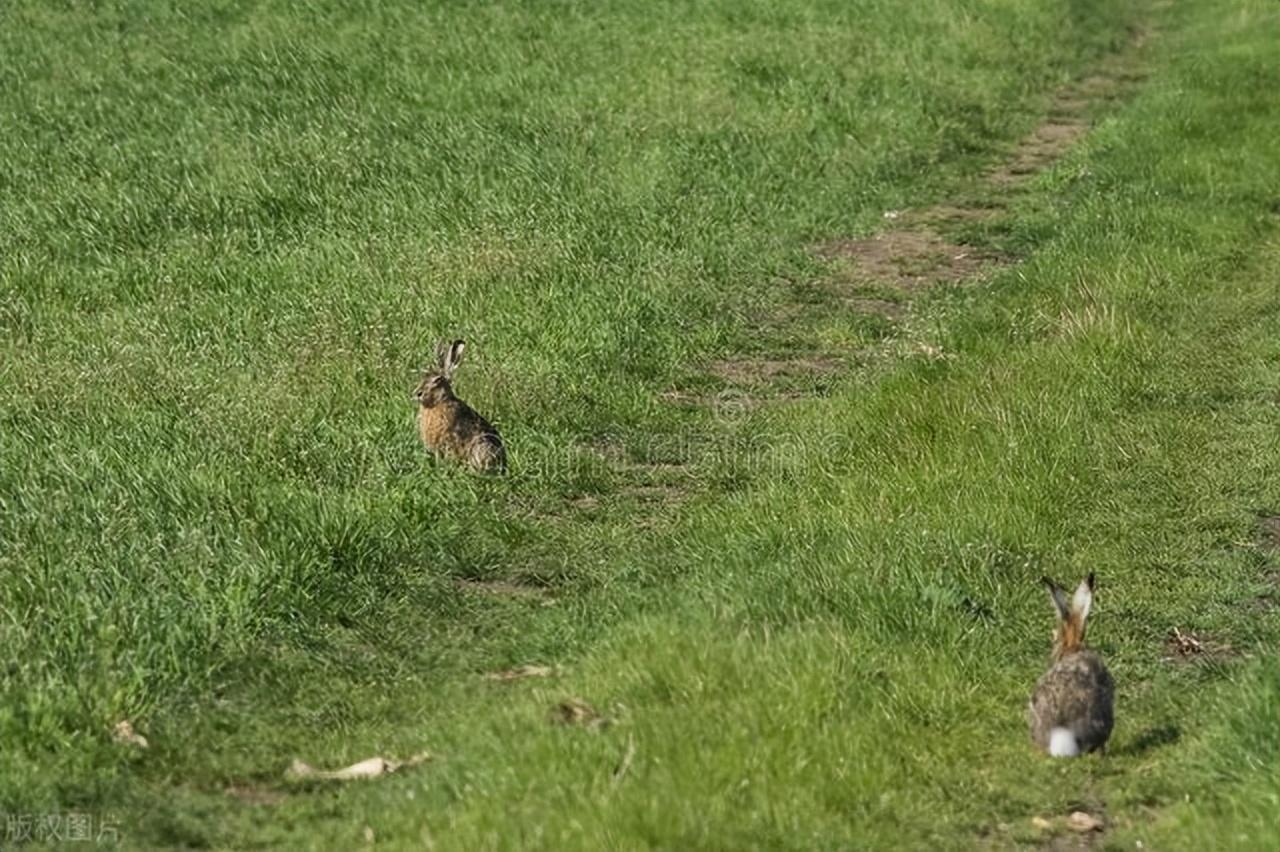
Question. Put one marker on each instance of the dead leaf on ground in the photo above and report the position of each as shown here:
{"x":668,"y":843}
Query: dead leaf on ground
{"x":124,"y":734}
{"x":575,"y":711}
{"x":373,"y":767}
{"x":1184,"y":644}
{"x":520,"y":672}
{"x":929,"y":351}
{"x":1083,"y":822}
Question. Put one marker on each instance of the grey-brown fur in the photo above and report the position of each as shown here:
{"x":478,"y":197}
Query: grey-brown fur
{"x":448,"y":426}
{"x":1077,"y":692}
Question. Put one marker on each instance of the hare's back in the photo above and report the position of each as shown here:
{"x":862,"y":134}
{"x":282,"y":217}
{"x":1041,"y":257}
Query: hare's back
{"x":1077,"y":694}
{"x":477,"y":440}
{"x":468,"y":425}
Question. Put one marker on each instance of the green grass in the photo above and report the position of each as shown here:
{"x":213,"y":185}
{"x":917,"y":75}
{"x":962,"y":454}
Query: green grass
{"x":229,"y":237}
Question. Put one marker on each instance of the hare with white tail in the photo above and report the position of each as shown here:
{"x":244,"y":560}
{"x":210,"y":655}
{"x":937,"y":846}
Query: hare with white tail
{"x":1071,"y":708}
{"x":450,"y":427}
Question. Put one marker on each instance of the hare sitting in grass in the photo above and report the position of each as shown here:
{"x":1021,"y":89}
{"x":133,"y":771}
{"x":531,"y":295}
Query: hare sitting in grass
{"x":1071,"y":708}
{"x":450,"y":427}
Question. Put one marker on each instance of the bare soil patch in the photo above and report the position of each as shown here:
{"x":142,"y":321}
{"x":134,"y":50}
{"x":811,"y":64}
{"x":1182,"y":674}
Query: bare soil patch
{"x":755,"y":371}
{"x":654,"y":474}
{"x":653,"y":493}
{"x":952,"y":213}
{"x":1038,"y":150}
{"x":909,"y":259}
{"x":1269,"y":533}
{"x":751,"y":382}
{"x":1269,"y":598}
{"x":732,"y":401}
{"x":892,"y":311}
{"x":1268,"y":541}
{"x":660,"y":463}
{"x":499,"y":588}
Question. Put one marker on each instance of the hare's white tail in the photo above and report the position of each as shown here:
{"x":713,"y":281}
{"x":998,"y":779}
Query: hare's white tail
{"x":1062,"y":743}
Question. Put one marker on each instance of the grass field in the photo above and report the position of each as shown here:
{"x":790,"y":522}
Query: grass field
{"x":787,"y":547}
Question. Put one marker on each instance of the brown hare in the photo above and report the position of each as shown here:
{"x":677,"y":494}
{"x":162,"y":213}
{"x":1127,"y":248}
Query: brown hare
{"x":450,"y":427}
{"x":1071,"y":709}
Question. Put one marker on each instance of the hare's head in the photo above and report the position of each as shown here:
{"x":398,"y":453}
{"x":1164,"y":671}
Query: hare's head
{"x":436,"y":385}
{"x":1068,"y":637}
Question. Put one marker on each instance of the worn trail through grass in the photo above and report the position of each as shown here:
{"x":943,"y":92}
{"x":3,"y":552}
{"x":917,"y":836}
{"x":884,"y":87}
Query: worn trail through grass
{"x":817,"y":333}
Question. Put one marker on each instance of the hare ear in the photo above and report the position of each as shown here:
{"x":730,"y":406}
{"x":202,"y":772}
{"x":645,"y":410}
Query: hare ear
{"x":1059,"y":597}
{"x":1083,"y":598}
{"x":455,"y":353}
{"x":442,"y":356}
{"x":451,"y":356}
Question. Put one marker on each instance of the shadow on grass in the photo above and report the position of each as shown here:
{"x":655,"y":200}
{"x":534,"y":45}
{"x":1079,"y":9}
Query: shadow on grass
{"x":1150,"y":739}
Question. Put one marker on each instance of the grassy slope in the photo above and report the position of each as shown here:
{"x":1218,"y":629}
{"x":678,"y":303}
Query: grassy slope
{"x":232,"y":238}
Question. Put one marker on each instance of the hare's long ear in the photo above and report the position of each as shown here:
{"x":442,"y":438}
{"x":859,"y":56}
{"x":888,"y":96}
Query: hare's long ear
{"x":1083,"y":598}
{"x":442,"y":356}
{"x":453,"y":358}
{"x":1059,"y":597}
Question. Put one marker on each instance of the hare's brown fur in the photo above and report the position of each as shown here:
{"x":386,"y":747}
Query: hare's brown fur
{"x":450,"y":427}
{"x":1077,"y":692}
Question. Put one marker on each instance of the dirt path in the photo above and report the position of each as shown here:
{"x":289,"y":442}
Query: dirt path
{"x":876,"y":276}
{"x":879,"y":275}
